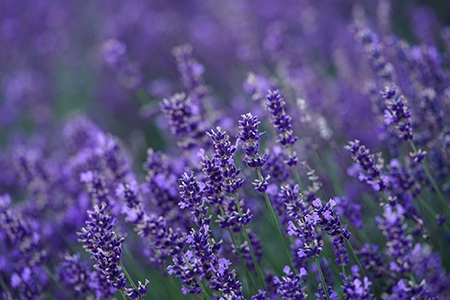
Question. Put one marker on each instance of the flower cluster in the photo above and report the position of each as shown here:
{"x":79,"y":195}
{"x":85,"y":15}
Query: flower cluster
{"x":370,"y":169}
{"x":211,"y":136}
{"x":105,"y":247}
{"x":282,"y":122}
{"x":398,"y":113}
{"x":250,"y":137}
{"x":290,"y":286}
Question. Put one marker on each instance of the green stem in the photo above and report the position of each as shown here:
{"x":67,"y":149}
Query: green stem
{"x":123,"y":295}
{"x":430,"y":178}
{"x":322,"y":278}
{"x":352,"y":251}
{"x":4,"y":286}
{"x":275,"y":221}
{"x":57,"y":283}
{"x":127,"y":275}
{"x":202,"y":287}
{"x":247,"y":239}
{"x":143,"y":96}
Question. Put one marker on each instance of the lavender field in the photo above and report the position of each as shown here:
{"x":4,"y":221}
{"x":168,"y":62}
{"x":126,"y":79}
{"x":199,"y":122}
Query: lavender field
{"x":232,"y":149}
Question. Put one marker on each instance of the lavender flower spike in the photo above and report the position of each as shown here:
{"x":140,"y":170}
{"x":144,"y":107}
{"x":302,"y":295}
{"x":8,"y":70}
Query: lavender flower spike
{"x":371,"y":172}
{"x":398,"y":113}
{"x":104,"y":245}
{"x":105,"y":248}
{"x":250,"y":136}
{"x":282,"y":122}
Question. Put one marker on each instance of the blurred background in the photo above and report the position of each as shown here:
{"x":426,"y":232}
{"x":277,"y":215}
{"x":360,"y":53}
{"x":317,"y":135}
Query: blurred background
{"x":112,"y":60}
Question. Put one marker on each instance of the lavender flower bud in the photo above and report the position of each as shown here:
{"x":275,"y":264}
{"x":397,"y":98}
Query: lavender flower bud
{"x":399,"y":243}
{"x":191,"y":71}
{"x":74,"y":275}
{"x":291,"y":286}
{"x":183,"y":119}
{"x":250,"y":136}
{"x":373,"y":51}
{"x":102,"y":243}
{"x":372,"y":174}
{"x":282,"y":122}
{"x":224,"y":154}
{"x":356,"y":288}
{"x":192,"y":197}
{"x":398,"y":113}
{"x":261,"y":185}
{"x":96,"y":187}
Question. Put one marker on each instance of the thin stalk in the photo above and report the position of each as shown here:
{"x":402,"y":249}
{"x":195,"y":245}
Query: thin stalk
{"x":247,"y":239}
{"x":127,"y":275}
{"x":322,"y":278}
{"x":431,"y":212}
{"x":275,"y":221}
{"x":143,"y":96}
{"x":4,"y":286}
{"x":431,"y":179}
{"x":202,"y":287}
{"x":58,"y":284}
{"x":352,"y":251}
{"x":123,"y":295}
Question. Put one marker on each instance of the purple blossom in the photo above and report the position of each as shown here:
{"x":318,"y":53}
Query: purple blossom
{"x":398,"y":113}
{"x":372,"y":260}
{"x":282,"y":122}
{"x":184,"y":120}
{"x":224,"y":155}
{"x":399,"y":242}
{"x":371,"y":169}
{"x":245,"y":250}
{"x":96,"y":187}
{"x":291,"y":286}
{"x":311,"y":244}
{"x":331,"y":223}
{"x":74,"y":274}
{"x":191,"y":72}
{"x":349,"y":210}
{"x":104,"y":245}
{"x":192,"y":198}
{"x":373,"y":51}
{"x":25,"y":252}
{"x":292,"y":199}
{"x":250,"y":137}
{"x":128,"y":72}
{"x":261,"y":185}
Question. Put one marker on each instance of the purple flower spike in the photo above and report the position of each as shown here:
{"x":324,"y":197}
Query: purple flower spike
{"x":224,"y":155}
{"x":104,"y":245}
{"x":370,"y":168}
{"x":183,"y":118}
{"x":74,"y":275}
{"x":356,"y":288}
{"x":291,"y":286}
{"x":249,"y":135}
{"x":398,"y":113}
{"x":282,"y":122}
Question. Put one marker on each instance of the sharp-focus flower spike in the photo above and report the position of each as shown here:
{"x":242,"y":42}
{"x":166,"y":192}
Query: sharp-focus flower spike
{"x":105,"y":247}
{"x":282,"y":122}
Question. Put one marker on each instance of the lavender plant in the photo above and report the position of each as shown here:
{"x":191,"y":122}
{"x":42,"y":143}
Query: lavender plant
{"x":224,"y":150}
